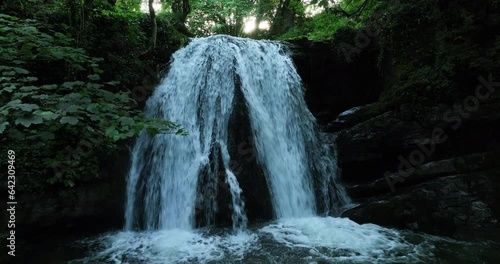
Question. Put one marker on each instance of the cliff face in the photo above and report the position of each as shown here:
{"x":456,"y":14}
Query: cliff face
{"x":420,"y":171}
{"x":430,"y":168}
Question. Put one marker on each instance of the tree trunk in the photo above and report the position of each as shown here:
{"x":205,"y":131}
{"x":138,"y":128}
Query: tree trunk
{"x":284,"y":18}
{"x":182,"y":9}
{"x":154,"y":27}
{"x":258,"y":19}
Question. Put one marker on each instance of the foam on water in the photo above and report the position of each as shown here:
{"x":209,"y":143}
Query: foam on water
{"x":342,"y":239}
{"x":167,"y":246}
{"x":294,"y":240}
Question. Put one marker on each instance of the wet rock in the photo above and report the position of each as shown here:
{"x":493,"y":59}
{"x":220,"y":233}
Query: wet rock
{"x":213,"y":201}
{"x":244,"y":163}
{"x":445,"y":205}
{"x":428,"y":171}
{"x":348,"y":119}
{"x":382,"y":143}
{"x":400,"y":176}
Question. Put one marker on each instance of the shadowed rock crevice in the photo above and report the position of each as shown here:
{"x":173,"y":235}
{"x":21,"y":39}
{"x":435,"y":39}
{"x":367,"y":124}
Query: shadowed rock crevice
{"x":244,"y":162}
{"x":213,"y":202}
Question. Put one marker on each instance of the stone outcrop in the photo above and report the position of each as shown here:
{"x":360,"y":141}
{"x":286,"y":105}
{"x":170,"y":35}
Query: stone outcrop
{"x":433,"y":170}
{"x":443,"y":197}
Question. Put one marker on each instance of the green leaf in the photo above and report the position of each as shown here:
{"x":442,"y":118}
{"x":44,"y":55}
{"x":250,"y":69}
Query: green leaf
{"x":21,"y":70}
{"x":28,"y":88}
{"x":48,"y":115}
{"x":30,"y":79}
{"x":3,"y":80}
{"x":95,"y":117}
{"x":72,"y":84}
{"x":72,"y":109}
{"x":73,"y":96}
{"x":94,"y":86}
{"x":72,"y":120}
{"x":28,"y":107}
{"x":69,"y":183}
{"x":181,"y":132}
{"x":93,"y":77}
{"x":45,"y":135}
{"x":323,"y":3}
{"x":152,"y":130}
{"x":3,"y":126}
{"x":14,"y":103}
{"x":113,"y":83}
{"x":40,"y":96}
{"x":9,"y":88}
{"x":92,"y":108}
{"x":27,"y":121}
{"x":9,"y":73}
{"x":110,"y":131}
{"x":109,"y":96}
{"x":49,"y":87}
{"x":127,"y":121}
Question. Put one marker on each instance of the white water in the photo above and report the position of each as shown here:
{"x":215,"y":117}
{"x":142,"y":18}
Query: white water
{"x":165,"y":168}
{"x":198,"y":94}
{"x":281,"y":124}
{"x":164,"y":178}
{"x":295,"y":240}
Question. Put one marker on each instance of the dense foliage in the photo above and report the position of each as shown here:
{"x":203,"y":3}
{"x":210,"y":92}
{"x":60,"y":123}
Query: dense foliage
{"x":67,"y":67}
{"x":435,"y":51}
{"x":428,"y":51}
{"x":63,"y":110}
{"x":348,"y":14}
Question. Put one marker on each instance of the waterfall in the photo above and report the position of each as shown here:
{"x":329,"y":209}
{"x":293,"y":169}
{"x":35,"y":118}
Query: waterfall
{"x":172,"y":177}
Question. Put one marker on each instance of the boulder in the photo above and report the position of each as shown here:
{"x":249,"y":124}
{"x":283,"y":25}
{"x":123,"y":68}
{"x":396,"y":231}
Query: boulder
{"x":381,"y":144}
{"x":446,"y":206}
{"x":400,"y":174}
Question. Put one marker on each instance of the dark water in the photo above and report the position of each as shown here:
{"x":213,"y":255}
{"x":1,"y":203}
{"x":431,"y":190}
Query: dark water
{"x":303,"y":240}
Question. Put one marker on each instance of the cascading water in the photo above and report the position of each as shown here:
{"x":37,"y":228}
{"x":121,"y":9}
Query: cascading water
{"x":198,"y":93}
{"x":179,"y":182}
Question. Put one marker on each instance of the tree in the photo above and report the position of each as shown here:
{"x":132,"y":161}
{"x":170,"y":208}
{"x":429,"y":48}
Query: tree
{"x":285,"y":16}
{"x":220,"y":17}
{"x":71,"y":105}
{"x":154,"y":26}
{"x":181,"y":8}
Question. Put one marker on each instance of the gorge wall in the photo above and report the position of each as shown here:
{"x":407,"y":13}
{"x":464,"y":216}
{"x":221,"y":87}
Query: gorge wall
{"x":433,"y":168}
